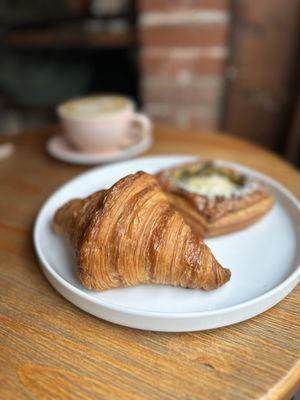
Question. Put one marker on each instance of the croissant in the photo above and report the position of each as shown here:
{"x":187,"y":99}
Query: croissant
{"x":129,"y":235}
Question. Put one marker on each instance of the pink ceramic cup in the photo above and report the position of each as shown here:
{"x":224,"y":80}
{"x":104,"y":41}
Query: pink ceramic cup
{"x":100,"y":123}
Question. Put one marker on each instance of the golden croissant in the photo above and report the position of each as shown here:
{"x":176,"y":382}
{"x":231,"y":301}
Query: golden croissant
{"x":130,"y":235}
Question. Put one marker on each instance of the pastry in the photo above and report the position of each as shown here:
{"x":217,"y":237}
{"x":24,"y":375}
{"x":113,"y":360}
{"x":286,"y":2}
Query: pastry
{"x":214,"y":199}
{"x":129,"y":235}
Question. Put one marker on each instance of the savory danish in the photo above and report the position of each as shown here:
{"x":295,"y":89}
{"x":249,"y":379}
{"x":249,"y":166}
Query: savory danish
{"x":129,"y":235}
{"x":214,"y":199}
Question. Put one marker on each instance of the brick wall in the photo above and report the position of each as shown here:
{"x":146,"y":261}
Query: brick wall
{"x":183,"y":47}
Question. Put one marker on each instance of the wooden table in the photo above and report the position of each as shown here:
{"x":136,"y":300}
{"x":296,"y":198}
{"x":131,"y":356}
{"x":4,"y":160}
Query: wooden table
{"x":52,"y":350}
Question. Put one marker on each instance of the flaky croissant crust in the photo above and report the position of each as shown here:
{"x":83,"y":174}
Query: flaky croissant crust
{"x":129,"y":235}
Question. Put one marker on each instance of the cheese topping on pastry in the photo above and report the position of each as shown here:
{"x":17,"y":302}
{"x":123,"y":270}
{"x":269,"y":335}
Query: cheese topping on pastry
{"x":211,"y":186}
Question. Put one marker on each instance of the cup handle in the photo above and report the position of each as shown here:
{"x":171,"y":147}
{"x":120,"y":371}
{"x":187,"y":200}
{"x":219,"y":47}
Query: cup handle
{"x":143,"y":121}
{"x":145,"y":126}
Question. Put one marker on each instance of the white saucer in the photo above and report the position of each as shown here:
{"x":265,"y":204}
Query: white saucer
{"x":264,"y":260}
{"x":59,"y":147}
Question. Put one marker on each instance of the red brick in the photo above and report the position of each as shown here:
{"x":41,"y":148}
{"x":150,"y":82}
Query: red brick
{"x":202,"y":123}
{"x":209,"y":66}
{"x":203,"y":92}
{"x":184,"y":35}
{"x":167,"y":5}
{"x":182,"y":116}
{"x":169,"y":66}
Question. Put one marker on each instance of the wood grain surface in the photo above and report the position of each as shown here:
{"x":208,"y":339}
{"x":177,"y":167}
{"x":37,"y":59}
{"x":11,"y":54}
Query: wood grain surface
{"x":52,"y":350}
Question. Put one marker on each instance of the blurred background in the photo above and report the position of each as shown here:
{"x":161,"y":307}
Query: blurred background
{"x":230,"y":65}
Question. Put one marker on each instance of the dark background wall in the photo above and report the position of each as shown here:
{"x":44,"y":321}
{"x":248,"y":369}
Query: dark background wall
{"x":263,"y":73}
{"x":230,"y":65}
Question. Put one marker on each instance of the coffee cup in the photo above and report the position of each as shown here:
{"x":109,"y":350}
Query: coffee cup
{"x":101,"y":122}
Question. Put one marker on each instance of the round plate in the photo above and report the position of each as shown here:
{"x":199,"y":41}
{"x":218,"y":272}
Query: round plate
{"x":59,"y":147}
{"x":264,"y":260}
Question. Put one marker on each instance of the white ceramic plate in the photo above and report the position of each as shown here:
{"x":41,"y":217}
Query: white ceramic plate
{"x":59,"y":147}
{"x":264,"y":260}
